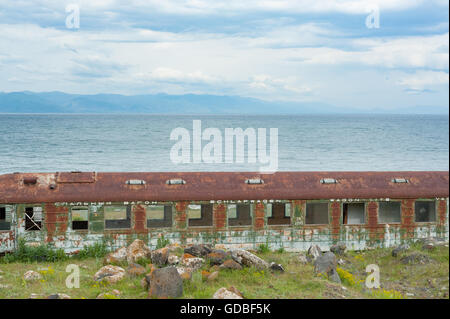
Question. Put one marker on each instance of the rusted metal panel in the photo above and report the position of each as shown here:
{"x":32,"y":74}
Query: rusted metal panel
{"x":91,"y":187}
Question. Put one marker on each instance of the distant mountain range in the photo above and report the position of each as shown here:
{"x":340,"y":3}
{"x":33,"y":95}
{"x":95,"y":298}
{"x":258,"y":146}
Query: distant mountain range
{"x":58,"y":102}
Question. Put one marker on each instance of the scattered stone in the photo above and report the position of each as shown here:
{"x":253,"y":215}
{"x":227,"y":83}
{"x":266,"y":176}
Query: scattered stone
{"x":113,"y":294}
{"x":341,"y":262}
{"x":313,"y":252}
{"x":31,"y":275}
{"x":214,"y":268}
{"x":198,"y":250}
{"x":343,"y":288}
{"x":302,"y":259}
{"x":173,"y":259}
{"x":185,"y":273}
{"x":399,"y":249}
{"x":135,"y":270}
{"x":409,"y":294}
{"x":217,"y":256}
{"x":137,"y":250}
{"x":213,"y":276}
{"x":166,"y":283}
{"x":116,"y":257}
{"x":194,"y":263}
{"x":110,"y":273}
{"x":230,"y":293}
{"x":339,"y":248}
{"x":36,"y":296}
{"x":59,"y":296}
{"x":326,"y":264}
{"x":248,"y":259}
{"x":160,"y":256}
{"x":276,"y":267}
{"x":1,"y":277}
{"x":5,"y":286}
{"x":205,"y":274}
{"x":415,"y":258}
{"x":230,"y":264}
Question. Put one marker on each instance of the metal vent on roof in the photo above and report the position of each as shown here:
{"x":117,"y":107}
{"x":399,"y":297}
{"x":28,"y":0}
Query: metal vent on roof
{"x":400,"y":180}
{"x":30,"y":180}
{"x":254,"y":181}
{"x":328,"y":181}
{"x":135,"y":182}
{"x":175,"y":181}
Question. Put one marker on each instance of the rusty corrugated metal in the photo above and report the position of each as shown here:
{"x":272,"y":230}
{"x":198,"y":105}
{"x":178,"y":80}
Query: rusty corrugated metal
{"x":102,"y":187}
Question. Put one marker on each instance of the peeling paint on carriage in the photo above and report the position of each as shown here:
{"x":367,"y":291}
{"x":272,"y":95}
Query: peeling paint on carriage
{"x":97,"y":190}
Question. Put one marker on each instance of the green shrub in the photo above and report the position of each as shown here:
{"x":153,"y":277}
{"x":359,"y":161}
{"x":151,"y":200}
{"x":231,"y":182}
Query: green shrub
{"x":30,"y":254}
{"x":162,"y":242}
{"x":98,"y":250}
{"x":263,"y":248}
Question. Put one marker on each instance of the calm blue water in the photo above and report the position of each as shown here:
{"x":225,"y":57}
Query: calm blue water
{"x":48,"y":143}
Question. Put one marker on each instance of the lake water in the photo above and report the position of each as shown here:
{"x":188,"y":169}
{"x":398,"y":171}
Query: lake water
{"x":49,"y":143}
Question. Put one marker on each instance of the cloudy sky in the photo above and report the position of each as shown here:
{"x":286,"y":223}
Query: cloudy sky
{"x":297,"y":50}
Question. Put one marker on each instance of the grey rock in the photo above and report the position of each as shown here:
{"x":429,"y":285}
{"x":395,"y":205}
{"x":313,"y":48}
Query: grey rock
{"x":198,"y":250}
{"x":166,"y":283}
{"x":415,"y":258}
{"x":313,"y":252}
{"x":339,"y":248}
{"x":276,"y":267}
{"x":217,"y":256}
{"x":399,"y":249}
{"x":248,"y":259}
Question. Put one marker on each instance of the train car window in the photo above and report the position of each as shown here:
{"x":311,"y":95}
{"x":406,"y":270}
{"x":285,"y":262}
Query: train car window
{"x":5,"y":219}
{"x":389,"y":212}
{"x":200,"y":215}
{"x":425,"y":211}
{"x":80,"y":218}
{"x":278,"y":214}
{"x":316,"y":214}
{"x":240,"y":215}
{"x":33,"y":218}
{"x":117,"y":217}
{"x":353,"y":213}
{"x":159,"y":216}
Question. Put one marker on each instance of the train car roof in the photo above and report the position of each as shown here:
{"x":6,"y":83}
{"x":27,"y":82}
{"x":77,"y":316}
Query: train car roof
{"x":203,"y":186}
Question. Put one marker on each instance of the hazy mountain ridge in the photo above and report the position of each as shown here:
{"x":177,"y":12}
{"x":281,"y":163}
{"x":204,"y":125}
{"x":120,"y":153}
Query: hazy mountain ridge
{"x":59,"y":102}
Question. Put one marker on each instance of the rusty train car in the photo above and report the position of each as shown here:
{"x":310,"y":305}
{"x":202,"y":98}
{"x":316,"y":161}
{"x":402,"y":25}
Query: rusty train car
{"x":293,"y":210}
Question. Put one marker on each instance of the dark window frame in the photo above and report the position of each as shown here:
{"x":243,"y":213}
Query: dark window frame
{"x":79,"y":222}
{"x":318,"y":203}
{"x":4,"y":225}
{"x":120,"y":223}
{"x":29,"y":220}
{"x":354,"y":203}
{"x":434,"y":202}
{"x":235,"y":221}
{"x":273,"y":221}
{"x":205,"y":210}
{"x":166,"y":222}
{"x":400,"y":213}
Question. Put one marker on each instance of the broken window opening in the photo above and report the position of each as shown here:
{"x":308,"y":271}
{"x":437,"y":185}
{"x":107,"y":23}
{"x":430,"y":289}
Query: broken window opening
{"x":159,"y":216}
{"x":80,"y":219}
{"x":5,"y":219}
{"x":425,"y":211}
{"x":117,"y":217}
{"x":33,"y":218}
{"x":239,"y":215}
{"x":389,"y":212}
{"x":354,"y":214}
{"x":279,"y":214}
{"x":200,"y":215}
{"x":316,"y":214}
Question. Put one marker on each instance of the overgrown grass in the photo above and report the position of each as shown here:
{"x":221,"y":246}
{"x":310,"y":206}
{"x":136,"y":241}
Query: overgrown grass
{"x":298,"y":281}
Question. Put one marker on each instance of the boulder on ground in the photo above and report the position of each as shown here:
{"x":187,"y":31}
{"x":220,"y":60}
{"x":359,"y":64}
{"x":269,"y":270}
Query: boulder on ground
{"x":302,"y":259}
{"x":116,"y":257}
{"x":213,"y":276}
{"x":58,"y":296}
{"x":160,"y":256}
{"x":135,"y":270}
{"x":198,"y":250}
{"x":230,"y":293}
{"x":217,"y":256}
{"x":173,"y":259}
{"x":32,"y":275}
{"x":166,"y":283}
{"x":339,"y":248}
{"x":415,"y":258}
{"x":314,"y":251}
{"x":113,"y":294}
{"x":110,"y":273}
{"x":185,"y":273}
{"x":326,"y":264}
{"x":230,"y":264}
{"x":137,"y":250}
{"x":276,"y":267}
{"x":248,"y":259}
{"x":399,"y":249}
{"x":193,"y":263}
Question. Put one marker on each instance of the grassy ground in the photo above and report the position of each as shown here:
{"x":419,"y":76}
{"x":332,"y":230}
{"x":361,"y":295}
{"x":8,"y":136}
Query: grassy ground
{"x":430,"y":280}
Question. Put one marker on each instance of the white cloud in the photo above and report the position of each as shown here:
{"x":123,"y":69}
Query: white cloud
{"x":423,"y":80}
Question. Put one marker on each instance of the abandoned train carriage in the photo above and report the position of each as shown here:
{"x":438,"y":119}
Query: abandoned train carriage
{"x":292,"y":210}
